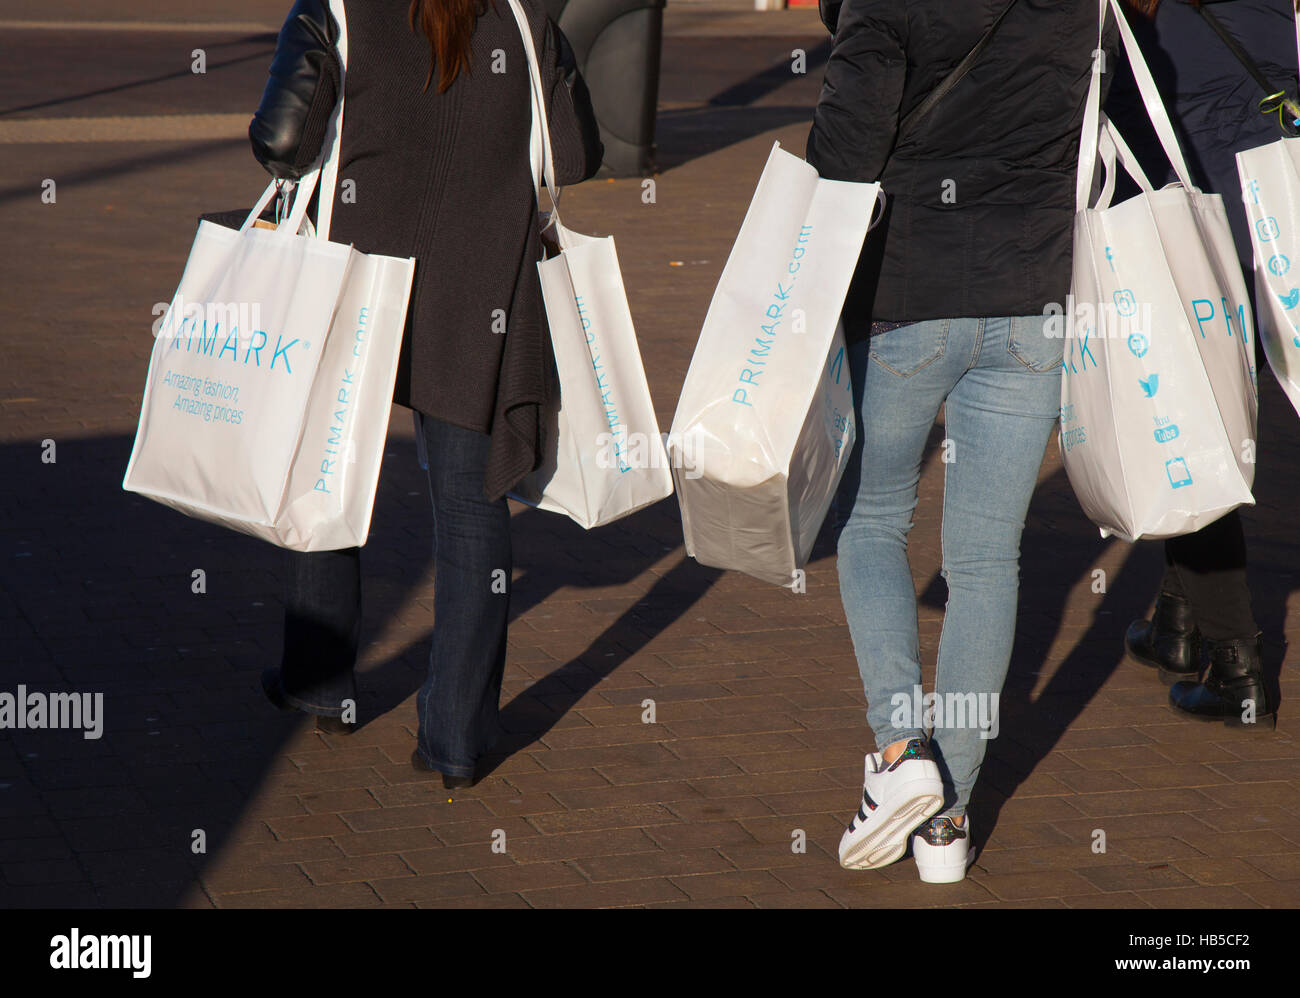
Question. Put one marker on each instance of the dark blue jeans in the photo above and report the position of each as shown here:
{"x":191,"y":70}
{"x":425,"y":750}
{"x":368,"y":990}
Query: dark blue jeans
{"x":459,"y":701}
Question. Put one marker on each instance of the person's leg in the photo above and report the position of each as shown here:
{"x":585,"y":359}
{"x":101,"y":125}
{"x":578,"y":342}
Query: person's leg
{"x":459,"y":701}
{"x":1210,"y":568}
{"x":322,"y":630}
{"x":998,"y":418}
{"x":900,"y":380}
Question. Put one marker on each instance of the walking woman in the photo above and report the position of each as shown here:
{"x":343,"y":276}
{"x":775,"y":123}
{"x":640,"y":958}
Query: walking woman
{"x":948,"y":309}
{"x":435,"y":162}
{"x":1214,"y":102}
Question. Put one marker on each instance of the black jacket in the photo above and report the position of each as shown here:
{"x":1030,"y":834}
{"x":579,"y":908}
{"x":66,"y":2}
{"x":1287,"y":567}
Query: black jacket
{"x":444,"y":178}
{"x":981,"y":191}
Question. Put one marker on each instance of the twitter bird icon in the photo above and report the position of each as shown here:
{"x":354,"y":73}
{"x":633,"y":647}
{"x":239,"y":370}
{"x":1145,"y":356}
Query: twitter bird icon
{"x":1149,"y":384}
{"x":1290,"y":301}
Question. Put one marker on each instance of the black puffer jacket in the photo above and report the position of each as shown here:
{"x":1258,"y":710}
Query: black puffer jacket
{"x":981,"y":191}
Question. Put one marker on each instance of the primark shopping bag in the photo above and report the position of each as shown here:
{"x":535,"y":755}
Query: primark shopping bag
{"x":271,"y":380}
{"x":765,"y":421}
{"x":1270,"y":183}
{"x":608,"y":458}
{"x":1158,"y":398}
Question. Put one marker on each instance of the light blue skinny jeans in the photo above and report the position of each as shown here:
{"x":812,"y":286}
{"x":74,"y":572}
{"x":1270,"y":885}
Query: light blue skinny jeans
{"x":1000,"y":379}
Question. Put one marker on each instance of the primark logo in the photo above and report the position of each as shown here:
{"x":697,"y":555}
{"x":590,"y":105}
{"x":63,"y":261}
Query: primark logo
{"x":101,"y":952}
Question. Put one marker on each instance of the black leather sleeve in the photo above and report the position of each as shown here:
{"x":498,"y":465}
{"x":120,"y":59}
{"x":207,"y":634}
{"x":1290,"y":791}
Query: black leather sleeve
{"x":575,"y":133}
{"x":288,"y":130}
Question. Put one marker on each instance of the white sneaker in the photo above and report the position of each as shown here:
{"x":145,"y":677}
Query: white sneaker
{"x":895,"y":799}
{"x":942,"y":850}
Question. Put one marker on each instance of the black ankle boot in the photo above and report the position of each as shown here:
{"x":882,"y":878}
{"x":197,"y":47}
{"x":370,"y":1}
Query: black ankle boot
{"x":1169,"y":642}
{"x":1233,"y":686}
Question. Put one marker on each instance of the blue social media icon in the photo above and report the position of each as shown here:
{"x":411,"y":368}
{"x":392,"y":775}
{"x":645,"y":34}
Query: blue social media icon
{"x":1278,"y":265}
{"x":1149,"y":384}
{"x":1137,"y":344}
{"x":1125,"y":303}
{"x":1290,"y":300}
{"x":1167,"y":433}
{"x":1176,"y":469}
{"x":1267,"y":229}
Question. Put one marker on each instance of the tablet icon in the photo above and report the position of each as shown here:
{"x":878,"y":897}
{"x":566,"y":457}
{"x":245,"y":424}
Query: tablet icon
{"x":1176,"y":469}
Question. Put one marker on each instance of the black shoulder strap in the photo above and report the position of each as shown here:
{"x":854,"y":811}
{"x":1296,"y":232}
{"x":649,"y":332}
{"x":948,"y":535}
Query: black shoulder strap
{"x":955,"y":77}
{"x":1235,"y":48}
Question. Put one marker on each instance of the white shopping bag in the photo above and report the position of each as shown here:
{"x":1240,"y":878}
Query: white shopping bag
{"x":1270,"y":190}
{"x":271,"y":380}
{"x":609,"y":459}
{"x":1158,"y":398}
{"x":765,"y":421}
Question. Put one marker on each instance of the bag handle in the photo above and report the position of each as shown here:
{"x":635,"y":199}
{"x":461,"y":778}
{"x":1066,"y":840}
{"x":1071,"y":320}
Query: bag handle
{"x":539,"y":142}
{"x":326,"y":171}
{"x":1155,"y":109}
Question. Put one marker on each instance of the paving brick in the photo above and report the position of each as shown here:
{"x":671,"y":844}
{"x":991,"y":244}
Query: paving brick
{"x":1110,"y":901}
{"x":626,"y":892}
{"x":1139,"y":877}
{"x":1271,"y":894}
{"x":655,"y":864}
{"x":633,"y":815}
{"x":1037,"y":884}
{"x":911,"y":895}
{"x":398,"y":840}
{"x":433,"y":887}
{"x":1200,"y":897}
{"x":1213,"y":871}
{"x":736,"y":883}
{"x":233,"y":878}
{"x":353,"y":869}
{"x":313,"y":896}
{"x":308,"y":826}
{"x":529,"y":877}
{"x":1245,"y":844}
{"x":477,"y":901}
{"x":636,"y":793}
{"x":708,"y":834}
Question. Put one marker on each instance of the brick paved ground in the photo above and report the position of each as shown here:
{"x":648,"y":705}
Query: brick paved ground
{"x":759,"y":711}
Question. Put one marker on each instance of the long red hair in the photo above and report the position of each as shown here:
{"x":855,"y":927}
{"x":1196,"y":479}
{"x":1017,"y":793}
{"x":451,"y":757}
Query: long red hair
{"x":449,"y":25}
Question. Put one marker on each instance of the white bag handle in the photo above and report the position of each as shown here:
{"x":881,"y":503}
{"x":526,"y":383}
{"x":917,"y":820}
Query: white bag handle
{"x":327,"y":165}
{"x":539,"y":142}
{"x":1092,"y":117}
